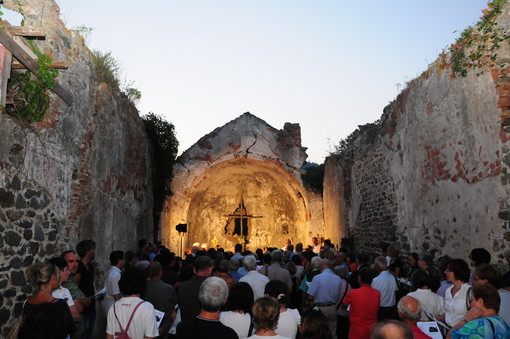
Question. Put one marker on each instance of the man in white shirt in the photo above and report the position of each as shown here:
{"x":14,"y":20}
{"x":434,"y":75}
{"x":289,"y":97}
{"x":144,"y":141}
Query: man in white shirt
{"x":316,"y":247}
{"x":143,"y":324}
{"x":256,"y":280}
{"x":62,"y":292}
{"x":430,"y":301}
{"x":111,"y":280}
{"x":386,"y":284}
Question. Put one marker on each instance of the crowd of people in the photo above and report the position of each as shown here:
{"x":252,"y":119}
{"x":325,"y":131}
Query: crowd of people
{"x":313,"y":291}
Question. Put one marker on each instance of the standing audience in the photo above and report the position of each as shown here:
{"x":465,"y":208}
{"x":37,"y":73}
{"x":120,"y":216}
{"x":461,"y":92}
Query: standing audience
{"x":266,"y":311}
{"x":213,"y":293}
{"x":364,"y":305}
{"x":289,"y":319}
{"x":130,"y":313}
{"x":324,"y":291}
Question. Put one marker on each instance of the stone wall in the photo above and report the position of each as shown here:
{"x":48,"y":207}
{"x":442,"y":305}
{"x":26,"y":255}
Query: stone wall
{"x":432,"y":175}
{"x":81,"y":173}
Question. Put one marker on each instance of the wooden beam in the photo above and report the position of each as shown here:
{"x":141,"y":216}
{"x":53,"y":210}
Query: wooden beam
{"x":54,"y":65}
{"x":31,"y":64}
{"x":5,"y":73}
{"x":25,"y":31}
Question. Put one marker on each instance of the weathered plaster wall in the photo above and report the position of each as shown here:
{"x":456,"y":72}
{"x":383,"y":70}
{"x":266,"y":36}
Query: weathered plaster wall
{"x":81,"y":173}
{"x":245,"y":160}
{"x":435,"y":177}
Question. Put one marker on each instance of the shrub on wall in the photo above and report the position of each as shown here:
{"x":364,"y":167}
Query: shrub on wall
{"x":164,"y":145}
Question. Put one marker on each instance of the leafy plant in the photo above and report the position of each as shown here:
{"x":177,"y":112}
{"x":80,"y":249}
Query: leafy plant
{"x":476,"y":48}
{"x":30,"y":93}
{"x":164,"y":145}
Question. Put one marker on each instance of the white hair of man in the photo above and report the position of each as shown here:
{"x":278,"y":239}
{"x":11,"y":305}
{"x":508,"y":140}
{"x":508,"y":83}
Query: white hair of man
{"x":249,"y":262}
{"x":212,"y":294}
{"x":381,"y":263}
{"x":315,"y":262}
{"x":407,"y":313}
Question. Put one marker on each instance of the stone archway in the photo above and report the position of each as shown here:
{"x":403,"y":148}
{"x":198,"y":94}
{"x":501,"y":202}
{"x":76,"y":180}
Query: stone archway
{"x":273,"y":200}
{"x":245,"y":162}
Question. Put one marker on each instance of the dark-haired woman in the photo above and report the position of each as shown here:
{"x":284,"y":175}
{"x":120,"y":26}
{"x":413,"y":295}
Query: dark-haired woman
{"x":482,"y":320}
{"x":412,"y":260}
{"x":314,"y":325}
{"x":455,"y":301}
{"x":236,"y":313}
{"x":289,"y":318}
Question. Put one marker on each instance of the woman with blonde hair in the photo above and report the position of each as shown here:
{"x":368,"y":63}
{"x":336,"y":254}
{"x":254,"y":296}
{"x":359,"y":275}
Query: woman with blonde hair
{"x":266,"y":311}
{"x":45,"y":278}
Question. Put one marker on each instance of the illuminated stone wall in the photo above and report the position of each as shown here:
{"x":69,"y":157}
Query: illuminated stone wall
{"x":246,"y":161}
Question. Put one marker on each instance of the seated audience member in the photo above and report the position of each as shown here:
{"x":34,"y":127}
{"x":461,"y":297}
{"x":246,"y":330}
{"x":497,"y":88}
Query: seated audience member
{"x":236,"y":313}
{"x":364,"y":305}
{"x":391,"y":329}
{"x":212,"y":295}
{"x":314,"y":325}
{"x":430,"y":301}
{"x":143,"y":323}
{"x":266,"y":311}
{"x":482,"y":318}
{"x":289,"y":319}
{"x":409,"y":310}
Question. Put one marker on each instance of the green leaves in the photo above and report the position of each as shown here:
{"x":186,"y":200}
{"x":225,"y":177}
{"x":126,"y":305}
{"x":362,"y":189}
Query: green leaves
{"x":30,"y":93}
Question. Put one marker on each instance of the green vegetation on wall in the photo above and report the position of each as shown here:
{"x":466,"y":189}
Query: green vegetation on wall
{"x":30,"y":93}
{"x":163,"y":150}
{"x":477,"y":47}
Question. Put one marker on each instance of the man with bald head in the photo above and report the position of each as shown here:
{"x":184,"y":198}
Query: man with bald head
{"x":409,"y":310}
{"x":391,"y":329}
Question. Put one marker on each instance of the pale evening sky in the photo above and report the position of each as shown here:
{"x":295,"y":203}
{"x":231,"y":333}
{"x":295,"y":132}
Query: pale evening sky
{"x":329,"y":65}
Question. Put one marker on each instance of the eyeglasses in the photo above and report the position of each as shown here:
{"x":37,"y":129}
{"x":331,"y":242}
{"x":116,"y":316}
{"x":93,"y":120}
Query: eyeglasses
{"x":447,"y":271}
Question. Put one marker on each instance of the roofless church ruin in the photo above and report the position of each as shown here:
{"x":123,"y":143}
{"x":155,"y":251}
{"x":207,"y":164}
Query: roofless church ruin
{"x":242,"y":184}
{"x":433,"y":174}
